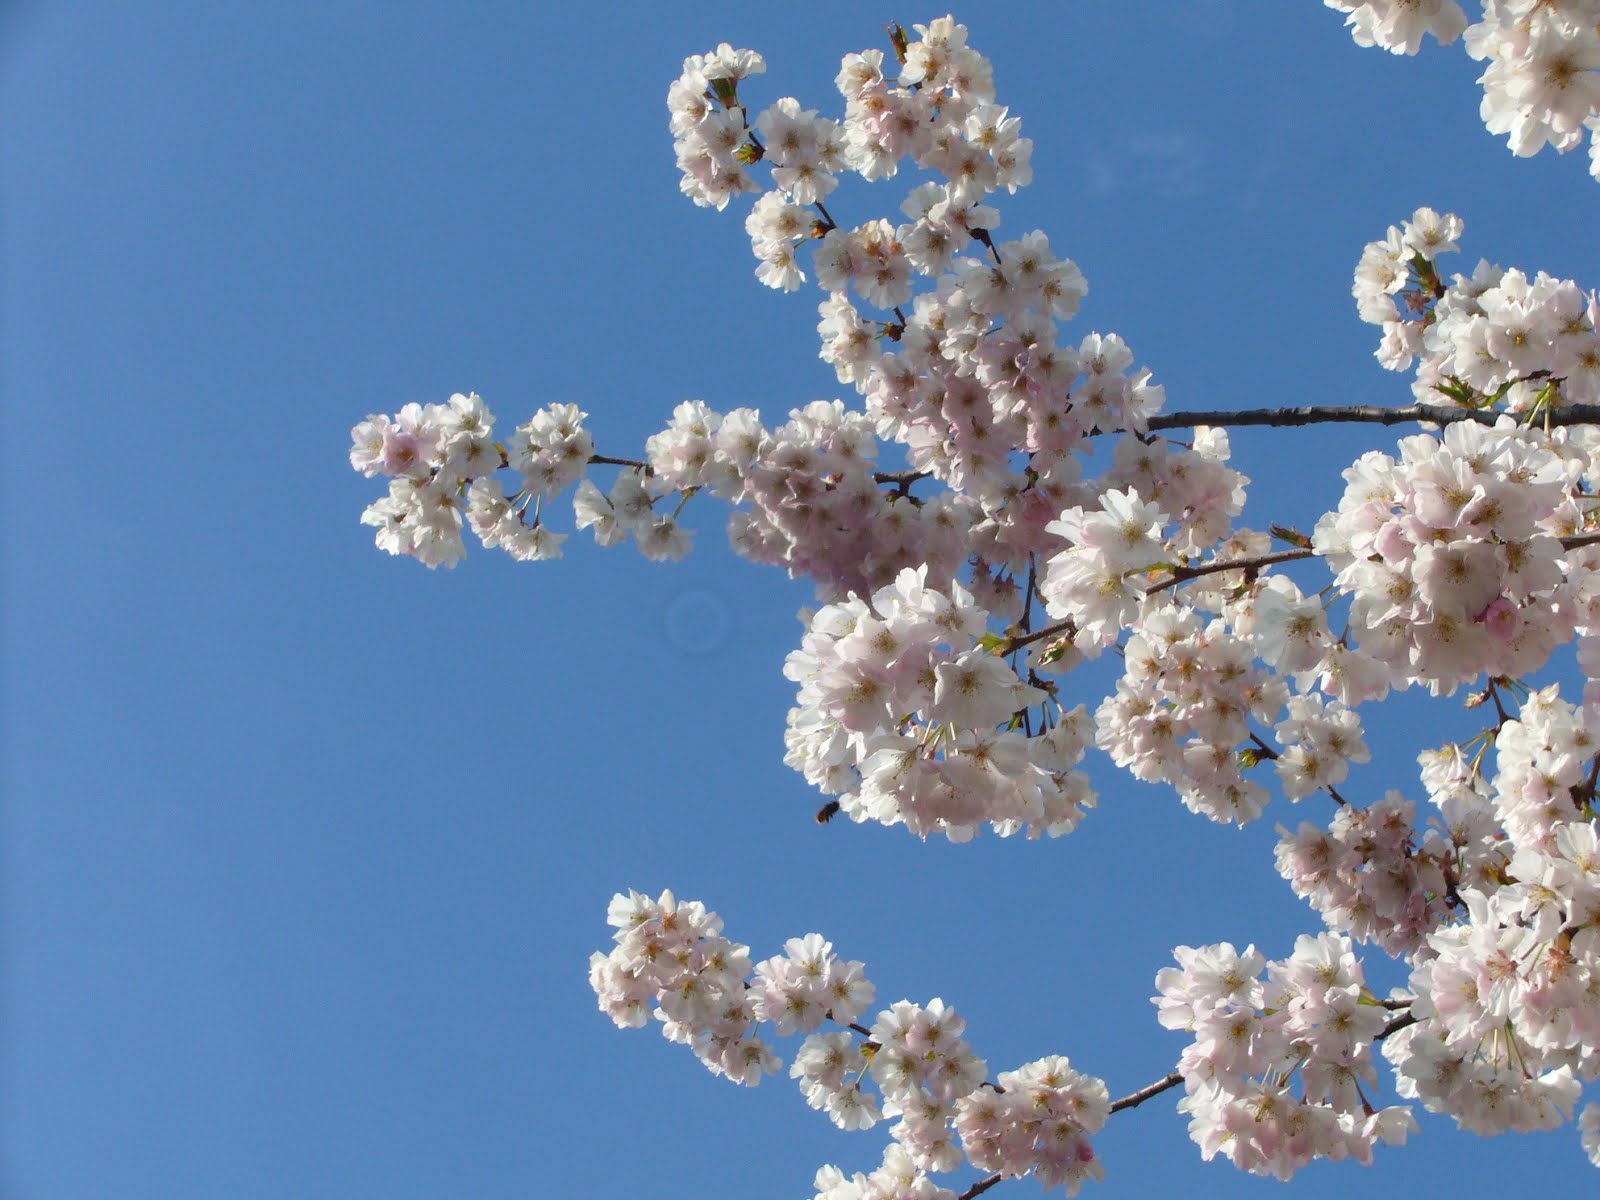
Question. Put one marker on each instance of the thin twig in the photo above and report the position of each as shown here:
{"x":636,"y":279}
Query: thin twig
{"x":1371,"y":414}
{"x":621,"y":462}
{"x":1395,"y":1026}
{"x":982,"y":1186}
{"x":1134,"y":1099}
{"x":1021,"y":640}
{"x":1185,"y":574}
{"x":1181,"y":575}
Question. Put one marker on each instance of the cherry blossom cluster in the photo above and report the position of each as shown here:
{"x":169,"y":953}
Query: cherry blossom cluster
{"x":1545,"y":762}
{"x":1452,"y":554}
{"x":897,"y":1179}
{"x":437,"y":454}
{"x":907,"y":719}
{"x":1290,"y":633}
{"x":1274,"y":1074}
{"x":1038,"y":1120}
{"x":940,"y":113}
{"x":808,"y":497}
{"x":1182,"y":708}
{"x":974,"y":374}
{"x":1509,"y":999}
{"x":1321,"y":738}
{"x":672,"y":962}
{"x":1492,"y":336}
{"x":973,"y":383}
{"x":1542,"y":82}
{"x":1374,"y":876}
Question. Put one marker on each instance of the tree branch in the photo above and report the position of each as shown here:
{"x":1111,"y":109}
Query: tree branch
{"x":1021,"y":640}
{"x":1168,"y":1082}
{"x":1181,"y":575}
{"x":977,"y":1189}
{"x":902,"y":480}
{"x":1185,"y":574}
{"x":622,"y":462}
{"x":1371,"y":414}
{"x":1395,"y":1026}
{"x":1134,"y":1099}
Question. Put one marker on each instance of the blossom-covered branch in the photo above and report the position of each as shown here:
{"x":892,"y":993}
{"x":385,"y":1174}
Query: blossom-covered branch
{"x":926,"y":698}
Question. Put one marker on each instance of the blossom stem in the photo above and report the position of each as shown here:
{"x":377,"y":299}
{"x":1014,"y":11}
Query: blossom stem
{"x":620,"y":462}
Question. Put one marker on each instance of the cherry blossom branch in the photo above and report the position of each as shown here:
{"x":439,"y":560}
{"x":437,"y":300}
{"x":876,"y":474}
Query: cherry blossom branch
{"x":1371,"y":414}
{"x":1185,"y":574}
{"x":1168,"y":1082}
{"x":1131,"y":1100}
{"x":1439,"y":414}
{"x":1181,"y":575}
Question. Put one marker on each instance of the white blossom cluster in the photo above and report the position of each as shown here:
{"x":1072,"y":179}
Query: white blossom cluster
{"x":975,"y":374}
{"x":1452,"y":554}
{"x":1492,"y":336}
{"x":671,"y":961}
{"x":671,"y":955}
{"x":426,"y":453}
{"x":809,"y":500}
{"x":905,"y":719}
{"x":1497,"y":909}
{"x":1274,"y":1074}
{"x":1509,"y":999}
{"x":1037,"y":1121}
{"x":1542,"y":83}
{"x":1543,"y":761}
{"x":1374,"y":876}
{"x":1182,"y":708}
{"x":940,"y":113}
{"x":897,"y":1179}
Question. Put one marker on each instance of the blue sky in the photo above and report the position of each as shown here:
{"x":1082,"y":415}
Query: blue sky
{"x":305,"y":848}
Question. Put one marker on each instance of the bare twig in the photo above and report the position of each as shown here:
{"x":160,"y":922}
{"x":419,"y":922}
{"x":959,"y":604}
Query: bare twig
{"x":621,"y":462}
{"x":1134,"y":1099}
{"x":1185,"y":574}
{"x":1371,"y":414}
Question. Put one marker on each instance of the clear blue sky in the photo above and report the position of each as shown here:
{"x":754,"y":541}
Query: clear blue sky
{"x":305,"y":848}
